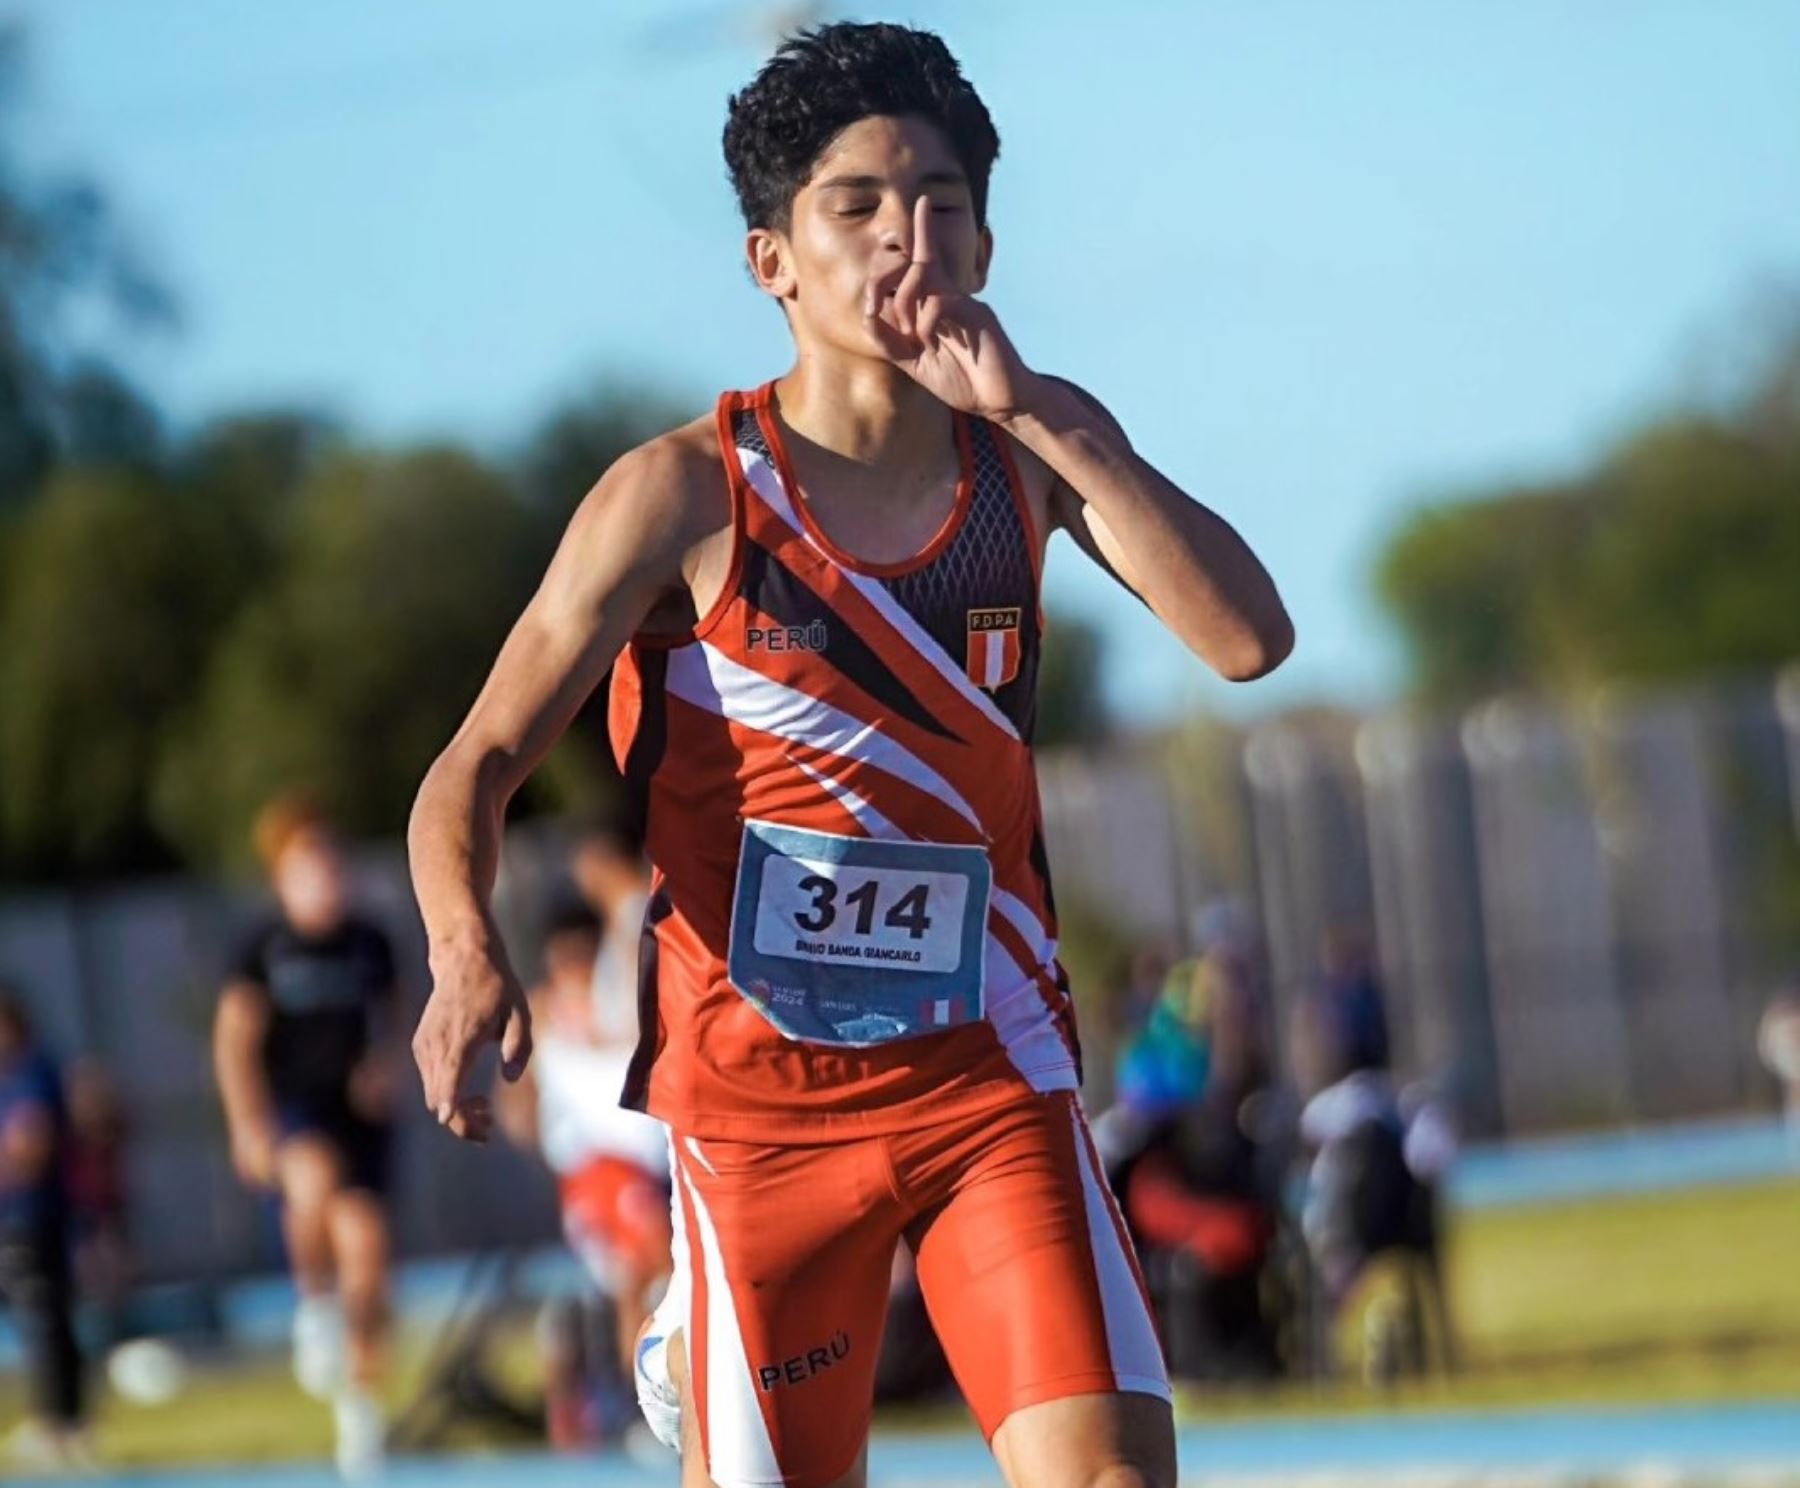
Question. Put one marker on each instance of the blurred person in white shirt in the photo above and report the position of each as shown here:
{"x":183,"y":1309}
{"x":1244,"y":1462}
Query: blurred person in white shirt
{"x":612,"y":1171}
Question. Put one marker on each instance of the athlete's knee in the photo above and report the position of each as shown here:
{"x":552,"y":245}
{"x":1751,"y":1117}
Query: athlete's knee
{"x":1129,"y":1475}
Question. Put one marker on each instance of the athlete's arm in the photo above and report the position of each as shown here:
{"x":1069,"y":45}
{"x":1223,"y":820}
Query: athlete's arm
{"x":239,"y":1028}
{"x":631,"y":544}
{"x":1183,"y":560}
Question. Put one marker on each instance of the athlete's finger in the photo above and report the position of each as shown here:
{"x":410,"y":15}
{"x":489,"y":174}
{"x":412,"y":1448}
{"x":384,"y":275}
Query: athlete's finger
{"x":472,"y":1119}
{"x":894,"y":346}
{"x":915,"y":288}
{"x":906,"y":299}
{"x":515,"y":1042}
{"x":878,"y":316}
{"x":428,"y":1054}
{"x":931,"y":316}
{"x":444,"y":1081}
{"x":921,"y":243}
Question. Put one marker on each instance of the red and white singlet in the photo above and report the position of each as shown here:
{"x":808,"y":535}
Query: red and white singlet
{"x":850,"y":924}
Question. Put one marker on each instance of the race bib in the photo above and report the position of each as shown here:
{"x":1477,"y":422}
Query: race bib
{"x":853,"y":941}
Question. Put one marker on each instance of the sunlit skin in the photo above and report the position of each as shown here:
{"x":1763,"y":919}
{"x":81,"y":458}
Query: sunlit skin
{"x":878,"y":268}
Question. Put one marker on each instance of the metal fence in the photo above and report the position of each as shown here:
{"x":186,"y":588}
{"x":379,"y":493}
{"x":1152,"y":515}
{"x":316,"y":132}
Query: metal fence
{"x":1579,"y":915}
{"x":1579,"y":912}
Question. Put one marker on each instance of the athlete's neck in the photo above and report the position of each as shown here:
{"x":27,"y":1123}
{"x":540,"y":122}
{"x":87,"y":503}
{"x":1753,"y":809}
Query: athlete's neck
{"x":862,"y":410}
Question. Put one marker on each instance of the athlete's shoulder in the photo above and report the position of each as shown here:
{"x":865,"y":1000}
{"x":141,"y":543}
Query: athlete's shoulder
{"x":678,"y":475}
{"x":655,"y":505}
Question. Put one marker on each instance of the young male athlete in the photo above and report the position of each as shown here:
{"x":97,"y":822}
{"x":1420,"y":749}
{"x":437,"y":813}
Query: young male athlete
{"x":822,"y":603}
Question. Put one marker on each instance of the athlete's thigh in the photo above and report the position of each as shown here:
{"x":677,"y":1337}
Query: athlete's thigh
{"x":1028,"y":1274}
{"x":786,"y":1252}
{"x":694,"y":1472}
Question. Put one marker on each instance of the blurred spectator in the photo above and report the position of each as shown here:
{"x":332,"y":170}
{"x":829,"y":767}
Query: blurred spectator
{"x":1778,"y":1044}
{"x":94,"y":1166}
{"x":1197,"y":1191}
{"x":1379,"y":1156}
{"x":308,"y":1046}
{"x":609,"y":870}
{"x":34,"y":1244}
{"x":1353,"y":990}
{"x":613,"y":1177}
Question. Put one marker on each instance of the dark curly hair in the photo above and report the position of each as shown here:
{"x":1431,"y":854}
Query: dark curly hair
{"x":822,"y":81}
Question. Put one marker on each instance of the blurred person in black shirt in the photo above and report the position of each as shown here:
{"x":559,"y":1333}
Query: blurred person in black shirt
{"x":307,"y":1050}
{"x":34,"y":1243}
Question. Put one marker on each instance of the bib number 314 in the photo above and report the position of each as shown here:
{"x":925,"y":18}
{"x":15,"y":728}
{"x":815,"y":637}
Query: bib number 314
{"x":850,"y":940}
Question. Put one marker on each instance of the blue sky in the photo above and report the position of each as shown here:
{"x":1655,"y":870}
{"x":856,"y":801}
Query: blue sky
{"x":1325,"y":260}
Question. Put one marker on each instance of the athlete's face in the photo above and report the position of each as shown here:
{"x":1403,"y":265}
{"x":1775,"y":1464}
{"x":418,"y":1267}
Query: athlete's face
{"x":853,"y":222}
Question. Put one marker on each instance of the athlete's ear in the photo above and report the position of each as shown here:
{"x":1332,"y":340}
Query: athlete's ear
{"x":771,"y":263}
{"x":984,"y":255}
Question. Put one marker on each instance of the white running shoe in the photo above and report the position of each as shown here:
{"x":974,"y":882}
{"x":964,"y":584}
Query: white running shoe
{"x":658,"y":1395}
{"x":320,"y":1348}
{"x":361,"y":1435}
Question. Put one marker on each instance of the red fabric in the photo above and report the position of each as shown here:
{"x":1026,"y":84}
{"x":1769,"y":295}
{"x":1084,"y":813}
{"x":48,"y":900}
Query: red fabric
{"x":716,"y":1068}
{"x":1229,"y":1235}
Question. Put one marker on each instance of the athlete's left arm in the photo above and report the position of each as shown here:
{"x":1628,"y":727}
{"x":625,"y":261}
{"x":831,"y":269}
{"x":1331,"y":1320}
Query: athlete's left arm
{"x":1187,"y":563}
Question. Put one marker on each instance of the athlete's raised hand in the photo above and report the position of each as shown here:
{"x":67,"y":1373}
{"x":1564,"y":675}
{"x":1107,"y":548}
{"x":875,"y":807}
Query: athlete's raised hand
{"x":947,"y":341}
{"x":475,"y":1000}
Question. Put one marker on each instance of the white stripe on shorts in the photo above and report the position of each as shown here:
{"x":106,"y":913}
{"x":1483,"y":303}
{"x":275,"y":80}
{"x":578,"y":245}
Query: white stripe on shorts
{"x":1137,"y":1359}
{"x":737,"y":1436}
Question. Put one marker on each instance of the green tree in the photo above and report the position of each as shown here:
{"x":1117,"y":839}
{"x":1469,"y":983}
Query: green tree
{"x":399,"y":578}
{"x":114,"y":586}
{"x":572,"y":448}
{"x":1473,"y":587}
{"x":63,"y":272}
{"x":1675,"y":557}
{"x":1693,"y":563}
{"x":560,"y":462}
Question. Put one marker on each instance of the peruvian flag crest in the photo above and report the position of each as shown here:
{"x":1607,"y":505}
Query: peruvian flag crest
{"x":993,"y":655}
